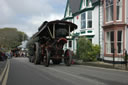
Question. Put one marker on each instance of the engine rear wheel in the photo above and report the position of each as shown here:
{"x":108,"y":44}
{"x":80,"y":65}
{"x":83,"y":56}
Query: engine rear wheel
{"x":47,"y":58}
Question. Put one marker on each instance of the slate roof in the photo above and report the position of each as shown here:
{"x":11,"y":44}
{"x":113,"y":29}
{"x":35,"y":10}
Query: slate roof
{"x":93,"y":1}
{"x":74,"y":5}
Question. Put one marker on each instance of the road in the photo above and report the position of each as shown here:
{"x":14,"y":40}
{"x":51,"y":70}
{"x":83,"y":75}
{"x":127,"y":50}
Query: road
{"x":22,"y":72}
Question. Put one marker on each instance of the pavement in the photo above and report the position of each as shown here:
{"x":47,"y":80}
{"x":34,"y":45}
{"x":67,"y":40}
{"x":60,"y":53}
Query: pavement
{"x":2,"y":65}
{"x":106,"y":65}
{"x":22,"y":72}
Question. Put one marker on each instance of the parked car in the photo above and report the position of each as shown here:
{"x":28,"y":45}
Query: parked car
{"x":2,"y":56}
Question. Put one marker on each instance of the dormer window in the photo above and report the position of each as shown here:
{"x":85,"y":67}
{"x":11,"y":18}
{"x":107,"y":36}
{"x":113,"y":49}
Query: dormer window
{"x":83,"y":2}
{"x":69,"y":13}
{"x":109,"y":10}
{"x":88,"y":3}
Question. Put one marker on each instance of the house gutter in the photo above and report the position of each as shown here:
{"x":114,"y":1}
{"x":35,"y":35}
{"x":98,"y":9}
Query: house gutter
{"x":99,"y":28}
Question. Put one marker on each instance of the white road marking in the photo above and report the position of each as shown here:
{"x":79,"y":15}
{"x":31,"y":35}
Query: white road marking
{"x":6,"y":75}
{"x":5,"y":72}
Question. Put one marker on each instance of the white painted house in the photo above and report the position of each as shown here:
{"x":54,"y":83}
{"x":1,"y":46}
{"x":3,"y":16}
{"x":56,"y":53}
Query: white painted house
{"x":85,"y":14}
{"x":104,"y":22}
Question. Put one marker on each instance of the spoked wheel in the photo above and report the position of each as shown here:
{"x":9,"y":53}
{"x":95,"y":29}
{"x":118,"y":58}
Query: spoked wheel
{"x":47,"y":58}
{"x":37,"y":54}
{"x":67,"y":57}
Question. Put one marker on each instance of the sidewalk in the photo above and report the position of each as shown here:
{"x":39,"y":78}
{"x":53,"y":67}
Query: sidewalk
{"x":105,"y":65}
{"x":2,"y":65}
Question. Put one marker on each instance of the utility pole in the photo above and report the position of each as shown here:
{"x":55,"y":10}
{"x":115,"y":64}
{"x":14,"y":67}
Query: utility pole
{"x":23,"y":37}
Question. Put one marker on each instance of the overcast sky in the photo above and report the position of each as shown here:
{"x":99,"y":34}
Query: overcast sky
{"x":28,"y":15}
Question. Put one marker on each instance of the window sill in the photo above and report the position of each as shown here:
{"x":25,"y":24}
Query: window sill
{"x":111,"y":54}
{"x":89,"y":28}
{"x":83,"y":29}
{"x":109,"y":22}
{"x":118,"y":21}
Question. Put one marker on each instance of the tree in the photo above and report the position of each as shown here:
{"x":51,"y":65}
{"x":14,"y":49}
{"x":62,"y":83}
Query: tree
{"x":11,"y":37}
{"x":30,"y":45}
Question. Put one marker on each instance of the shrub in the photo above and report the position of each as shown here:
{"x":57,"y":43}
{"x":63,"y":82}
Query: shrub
{"x":84,"y":46}
{"x":93,"y":55}
{"x":86,"y":50}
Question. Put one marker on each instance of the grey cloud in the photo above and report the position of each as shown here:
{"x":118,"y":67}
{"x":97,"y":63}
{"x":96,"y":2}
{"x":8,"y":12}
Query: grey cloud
{"x":28,"y":15}
{"x":29,"y":7}
{"x":5,"y":12}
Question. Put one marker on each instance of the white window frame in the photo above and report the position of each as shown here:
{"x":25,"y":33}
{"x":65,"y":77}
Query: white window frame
{"x":109,"y":42}
{"x":83,"y":20}
{"x":89,"y":3}
{"x":86,"y":20}
{"x":84,"y":3}
{"x":121,"y":42}
{"x":69,"y":13}
{"x":108,"y":18}
{"x":120,"y":10}
{"x":89,"y":19}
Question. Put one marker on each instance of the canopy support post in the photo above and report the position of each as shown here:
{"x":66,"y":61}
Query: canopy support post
{"x":50,"y":32}
{"x":54,"y":31}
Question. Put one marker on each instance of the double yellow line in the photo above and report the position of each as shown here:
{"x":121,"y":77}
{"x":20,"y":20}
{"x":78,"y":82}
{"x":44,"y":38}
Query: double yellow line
{"x":4,"y":75}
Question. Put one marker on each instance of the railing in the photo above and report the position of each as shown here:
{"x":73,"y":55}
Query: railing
{"x":124,"y":63}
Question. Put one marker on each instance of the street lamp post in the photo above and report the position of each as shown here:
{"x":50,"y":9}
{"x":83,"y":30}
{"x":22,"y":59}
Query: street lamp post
{"x":113,"y":57}
{"x":126,"y":55}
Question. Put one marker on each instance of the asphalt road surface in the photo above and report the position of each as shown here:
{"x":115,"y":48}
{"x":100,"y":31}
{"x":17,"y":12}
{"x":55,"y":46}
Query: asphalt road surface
{"x":22,"y":72}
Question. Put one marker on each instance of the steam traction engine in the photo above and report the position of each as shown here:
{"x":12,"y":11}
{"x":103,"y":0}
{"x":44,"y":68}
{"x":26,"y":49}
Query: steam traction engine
{"x":52,"y":37}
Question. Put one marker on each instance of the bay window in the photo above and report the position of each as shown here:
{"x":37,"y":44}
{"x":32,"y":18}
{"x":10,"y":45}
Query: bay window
{"x":110,"y":42}
{"x":119,"y":42}
{"x":109,"y":10}
{"x":119,"y":9}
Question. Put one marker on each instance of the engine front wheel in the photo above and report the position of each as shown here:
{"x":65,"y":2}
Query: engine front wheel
{"x":37,"y":54}
{"x":68,"y":57}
